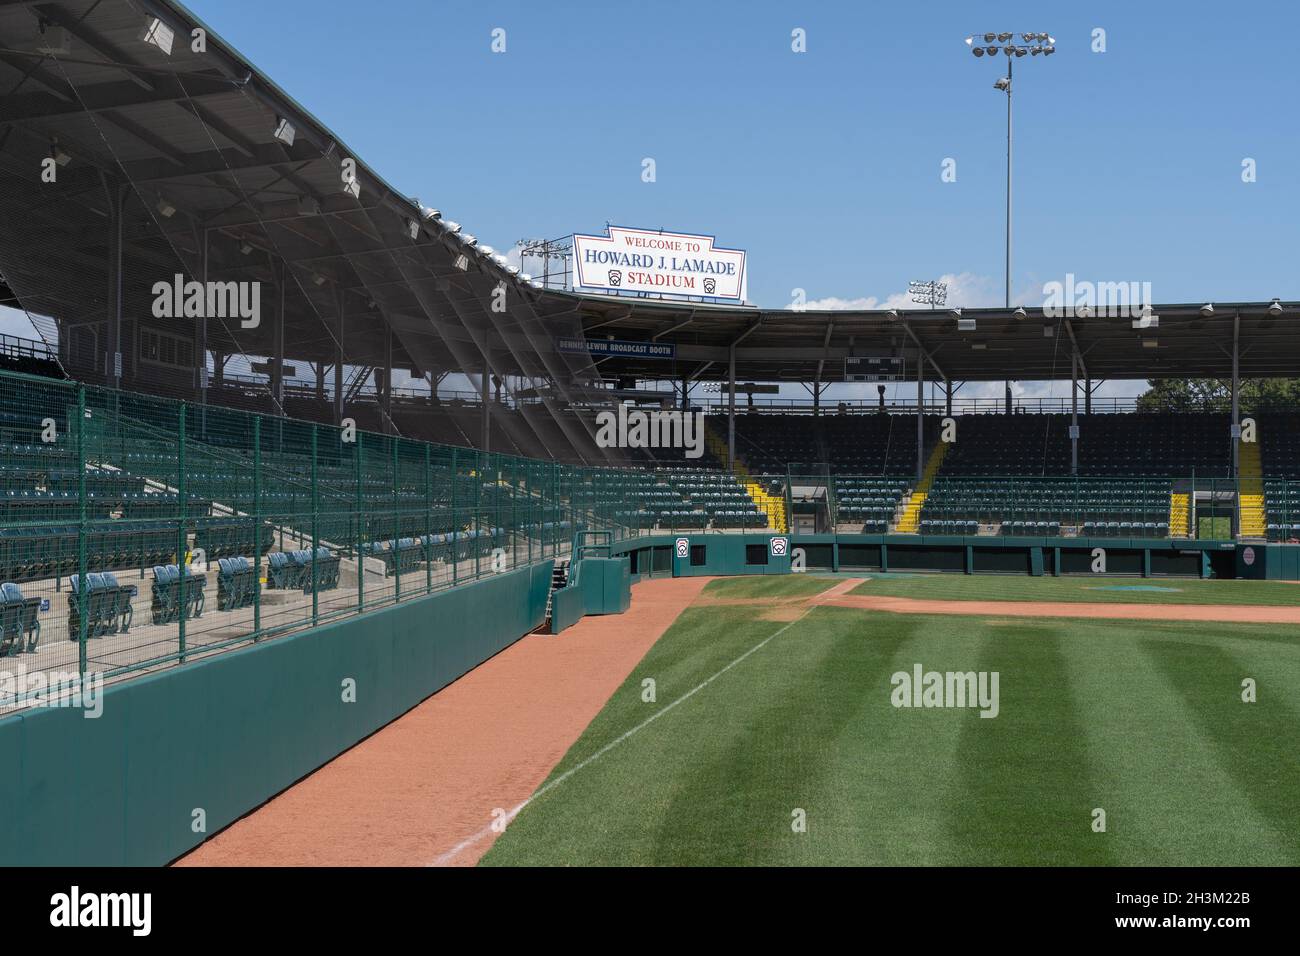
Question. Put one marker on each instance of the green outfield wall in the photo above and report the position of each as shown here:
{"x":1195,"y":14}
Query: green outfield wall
{"x":213,"y":739}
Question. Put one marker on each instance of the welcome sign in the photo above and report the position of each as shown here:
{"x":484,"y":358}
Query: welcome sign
{"x":660,"y":263}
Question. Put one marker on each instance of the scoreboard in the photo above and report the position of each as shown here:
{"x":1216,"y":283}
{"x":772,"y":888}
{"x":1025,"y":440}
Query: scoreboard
{"x":875,"y":368}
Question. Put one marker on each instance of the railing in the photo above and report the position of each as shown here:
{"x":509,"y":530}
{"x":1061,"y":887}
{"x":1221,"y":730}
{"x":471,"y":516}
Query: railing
{"x":16,"y":347}
{"x":140,"y":532}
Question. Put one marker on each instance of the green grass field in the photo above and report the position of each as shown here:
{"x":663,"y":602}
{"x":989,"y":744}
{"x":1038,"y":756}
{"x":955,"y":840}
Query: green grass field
{"x":1143,"y":720}
{"x":1088,"y":589}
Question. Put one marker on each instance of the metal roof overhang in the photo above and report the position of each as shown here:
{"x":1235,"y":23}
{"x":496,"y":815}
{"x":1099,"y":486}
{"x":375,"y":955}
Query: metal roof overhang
{"x":198,"y":130}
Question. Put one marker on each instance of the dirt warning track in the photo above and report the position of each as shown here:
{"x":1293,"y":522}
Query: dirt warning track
{"x":423,"y":788}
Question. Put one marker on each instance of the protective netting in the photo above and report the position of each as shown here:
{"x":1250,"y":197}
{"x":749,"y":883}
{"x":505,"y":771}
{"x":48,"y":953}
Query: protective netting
{"x":129,"y":172}
{"x":140,"y":531}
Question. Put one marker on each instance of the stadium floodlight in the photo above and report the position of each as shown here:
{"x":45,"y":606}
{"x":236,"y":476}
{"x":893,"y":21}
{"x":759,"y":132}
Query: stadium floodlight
{"x":432,"y":214}
{"x":1150,"y":343}
{"x":1020,"y":313}
{"x":285,"y":131}
{"x":978,"y":346}
{"x":451,"y":226}
{"x":1030,"y":44}
{"x":486,"y":250}
{"x":1207,"y":310}
{"x":462,"y":262}
{"x":413,"y":228}
{"x":892,"y":315}
{"x":353,"y":188}
{"x":469,"y":240}
{"x":318,"y":279}
{"x":156,"y":33}
{"x":1275,"y":308}
{"x":58,"y":155}
{"x":933,"y":293}
{"x":965,"y":325}
{"x":1083,"y":311}
{"x":245,"y":248}
{"x":165,"y":208}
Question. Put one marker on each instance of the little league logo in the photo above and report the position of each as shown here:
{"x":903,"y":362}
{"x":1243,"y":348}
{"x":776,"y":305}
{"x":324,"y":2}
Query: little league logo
{"x":710,"y":286}
{"x":683,"y":547}
{"x":778,"y":547}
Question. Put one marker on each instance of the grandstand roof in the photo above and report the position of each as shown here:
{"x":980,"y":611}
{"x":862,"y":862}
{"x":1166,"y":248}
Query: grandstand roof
{"x":1027,"y":344}
{"x":195,"y":133}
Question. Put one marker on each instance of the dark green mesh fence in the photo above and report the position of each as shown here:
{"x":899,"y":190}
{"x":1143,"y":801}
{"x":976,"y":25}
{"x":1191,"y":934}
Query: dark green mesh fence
{"x":142,"y":531}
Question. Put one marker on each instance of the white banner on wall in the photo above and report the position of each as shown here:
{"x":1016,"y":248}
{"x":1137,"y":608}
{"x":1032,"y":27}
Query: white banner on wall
{"x":659,"y":263}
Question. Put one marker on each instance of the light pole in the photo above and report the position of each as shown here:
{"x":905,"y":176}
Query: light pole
{"x":933,"y":293}
{"x":990,"y":44}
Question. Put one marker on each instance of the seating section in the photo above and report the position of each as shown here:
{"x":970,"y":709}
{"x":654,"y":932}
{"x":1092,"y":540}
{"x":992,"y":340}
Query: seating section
{"x":236,"y":586}
{"x":856,"y":444}
{"x":685,"y":498}
{"x":176,"y":592}
{"x":1117,"y":507}
{"x":293,"y":570}
{"x":1282,"y":510}
{"x":101,"y":602}
{"x":20,"y":625}
{"x":868,"y":504}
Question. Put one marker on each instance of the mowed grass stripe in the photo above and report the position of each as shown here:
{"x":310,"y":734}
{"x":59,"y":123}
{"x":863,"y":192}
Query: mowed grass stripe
{"x":1261,"y":763}
{"x":1089,"y":718}
{"x":1025,"y":775}
{"x":1088,"y":589}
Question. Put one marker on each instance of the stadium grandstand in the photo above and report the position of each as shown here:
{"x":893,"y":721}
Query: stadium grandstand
{"x":140,"y":154}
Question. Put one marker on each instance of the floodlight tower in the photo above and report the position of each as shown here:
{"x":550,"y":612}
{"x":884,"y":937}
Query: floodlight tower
{"x":990,"y":44}
{"x":933,"y":293}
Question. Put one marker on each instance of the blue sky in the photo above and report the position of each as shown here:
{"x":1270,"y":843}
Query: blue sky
{"x":825,"y":165}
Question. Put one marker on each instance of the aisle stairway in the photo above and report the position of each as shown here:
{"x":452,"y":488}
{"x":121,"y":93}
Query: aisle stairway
{"x":1250,"y":490}
{"x":910,"y":523}
{"x":771,"y":505}
{"x":1180,"y":514}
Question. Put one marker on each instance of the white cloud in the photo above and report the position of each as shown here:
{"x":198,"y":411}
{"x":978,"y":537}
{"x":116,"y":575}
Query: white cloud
{"x":966,"y":290}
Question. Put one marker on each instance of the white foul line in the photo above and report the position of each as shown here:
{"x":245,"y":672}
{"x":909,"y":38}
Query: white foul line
{"x":469,"y":841}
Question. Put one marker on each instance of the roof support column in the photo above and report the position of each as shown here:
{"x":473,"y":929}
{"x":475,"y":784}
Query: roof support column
{"x":113,"y":347}
{"x":388,"y":381}
{"x":484,"y":399}
{"x":1008,"y":384}
{"x":731,"y":407}
{"x":947,"y":398}
{"x":920,"y":417}
{"x":1087,"y":395}
{"x":1074,"y":414}
{"x":201,"y":343}
{"x":277,"y":360}
{"x":338,"y":365}
{"x":1235,"y":428}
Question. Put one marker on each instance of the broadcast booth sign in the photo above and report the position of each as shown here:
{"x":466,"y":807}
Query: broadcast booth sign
{"x":659,"y":263}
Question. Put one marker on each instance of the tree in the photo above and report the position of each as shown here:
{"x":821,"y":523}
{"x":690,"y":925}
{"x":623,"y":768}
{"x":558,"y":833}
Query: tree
{"x":1215,"y":395}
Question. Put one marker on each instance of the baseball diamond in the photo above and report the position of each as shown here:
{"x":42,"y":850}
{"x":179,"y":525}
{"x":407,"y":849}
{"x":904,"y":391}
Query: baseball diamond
{"x":332,"y":536}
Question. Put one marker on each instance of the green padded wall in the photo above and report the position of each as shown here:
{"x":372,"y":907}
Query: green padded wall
{"x":227,"y":733}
